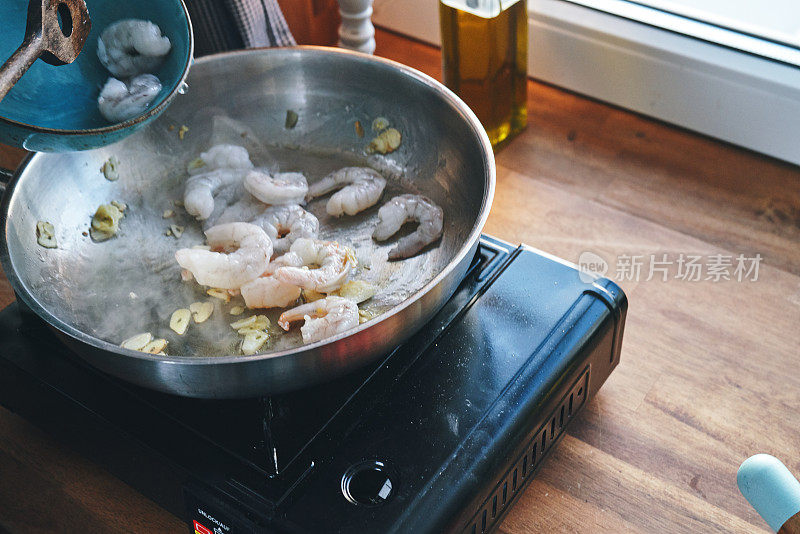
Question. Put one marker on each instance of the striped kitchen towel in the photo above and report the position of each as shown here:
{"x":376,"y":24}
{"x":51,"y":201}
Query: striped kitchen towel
{"x":232,"y":24}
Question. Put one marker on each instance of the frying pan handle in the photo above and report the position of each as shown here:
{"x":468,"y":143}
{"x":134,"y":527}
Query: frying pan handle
{"x":5,"y":177}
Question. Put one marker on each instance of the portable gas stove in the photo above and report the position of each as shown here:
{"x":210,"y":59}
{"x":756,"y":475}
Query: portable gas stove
{"x":442,"y":434}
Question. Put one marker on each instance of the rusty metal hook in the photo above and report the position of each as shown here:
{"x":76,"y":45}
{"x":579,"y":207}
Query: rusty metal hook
{"x":57,"y":43}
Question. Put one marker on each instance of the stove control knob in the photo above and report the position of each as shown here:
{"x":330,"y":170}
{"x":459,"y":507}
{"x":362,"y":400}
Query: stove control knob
{"x":369,"y":483}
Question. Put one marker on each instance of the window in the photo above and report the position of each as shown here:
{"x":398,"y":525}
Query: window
{"x":707,"y":65}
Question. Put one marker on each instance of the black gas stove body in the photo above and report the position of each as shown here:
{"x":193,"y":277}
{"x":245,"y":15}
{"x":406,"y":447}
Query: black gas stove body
{"x":440,"y":435}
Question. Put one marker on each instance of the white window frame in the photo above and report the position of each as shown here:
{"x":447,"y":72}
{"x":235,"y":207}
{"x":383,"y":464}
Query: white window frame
{"x":716,"y":90}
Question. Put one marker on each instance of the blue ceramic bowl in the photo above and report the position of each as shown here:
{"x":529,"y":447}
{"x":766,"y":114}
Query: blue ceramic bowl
{"x":54,"y":109}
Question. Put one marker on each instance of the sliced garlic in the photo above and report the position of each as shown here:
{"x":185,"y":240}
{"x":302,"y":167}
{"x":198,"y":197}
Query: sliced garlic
{"x":182,"y":132}
{"x":357,"y":290}
{"x":365,"y":315}
{"x":121,"y":206}
{"x":380,"y":124}
{"x":309,"y":295}
{"x":177,"y":231}
{"x":262,"y":322}
{"x":137,"y":342}
{"x":46,"y":234}
{"x":291,"y":119}
{"x":167,"y":214}
{"x":156,"y":346}
{"x":243,"y":323}
{"x":387,"y":141}
{"x":201,"y":311}
{"x":248,"y":330}
{"x":237,"y":310}
{"x":179,"y":321}
{"x":196,"y":163}
{"x":105,"y":222}
{"x":219,"y":294}
{"x":110,"y":169}
{"x":253,"y":342}
{"x":254,"y":322}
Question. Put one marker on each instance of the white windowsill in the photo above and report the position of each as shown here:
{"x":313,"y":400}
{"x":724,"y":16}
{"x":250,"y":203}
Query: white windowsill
{"x":717,"y":91}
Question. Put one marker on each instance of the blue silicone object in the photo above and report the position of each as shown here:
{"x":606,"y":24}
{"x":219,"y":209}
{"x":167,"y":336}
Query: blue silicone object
{"x":54,"y":108}
{"x":769,"y":486}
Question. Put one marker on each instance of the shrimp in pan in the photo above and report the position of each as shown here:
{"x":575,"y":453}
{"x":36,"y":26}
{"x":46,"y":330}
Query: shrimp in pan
{"x":290,"y":259}
{"x":402,"y":209}
{"x":221,"y":157}
{"x":335,"y":263}
{"x":269,"y":292}
{"x":280,"y":188}
{"x":361,"y":187}
{"x":240,"y":252}
{"x":234,"y":204}
{"x":201,"y":189}
{"x":285,"y":224}
{"x":323,"y":318}
{"x":130,"y":47}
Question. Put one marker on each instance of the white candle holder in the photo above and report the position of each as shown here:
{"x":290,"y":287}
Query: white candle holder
{"x":357,"y":31}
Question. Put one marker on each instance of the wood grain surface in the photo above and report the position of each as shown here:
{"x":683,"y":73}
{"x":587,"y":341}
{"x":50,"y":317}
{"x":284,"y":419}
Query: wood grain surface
{"x":314,"y":22}
{"x":708,"y":374}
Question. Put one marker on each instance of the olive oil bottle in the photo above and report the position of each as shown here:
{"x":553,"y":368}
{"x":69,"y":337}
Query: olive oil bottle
{"x":485,"y":61}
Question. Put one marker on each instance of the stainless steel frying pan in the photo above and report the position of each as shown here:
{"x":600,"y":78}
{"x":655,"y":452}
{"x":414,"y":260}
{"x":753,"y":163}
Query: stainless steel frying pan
{"x":97,"y":294}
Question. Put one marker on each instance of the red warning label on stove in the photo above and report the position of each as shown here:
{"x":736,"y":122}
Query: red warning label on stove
{"x":200,"y":529}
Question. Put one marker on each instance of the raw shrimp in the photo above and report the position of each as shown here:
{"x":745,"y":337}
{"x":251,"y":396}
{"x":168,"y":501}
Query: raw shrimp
{"x":119,"y":102}
{"x":290,"y":259}
{"x":201,"y":189}
{"x":279,"y":188}
{"x":269,"y":292}
{"x":362,"y":188}
{"x":244,"y":252}
{"x":323,"y":318}
{"x":130,"y":46}
{"x":285,"y":224}
{"x":227,"y":209}
{"x":401,"y":209}
{"x":221,"y":157}
{"x":335,"y":264}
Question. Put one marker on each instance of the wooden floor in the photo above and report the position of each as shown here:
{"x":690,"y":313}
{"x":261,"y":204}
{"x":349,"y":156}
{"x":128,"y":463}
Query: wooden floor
{"x":709,"y":369}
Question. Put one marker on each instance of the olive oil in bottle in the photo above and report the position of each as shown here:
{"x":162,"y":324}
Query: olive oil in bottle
{"x":485,"y":61}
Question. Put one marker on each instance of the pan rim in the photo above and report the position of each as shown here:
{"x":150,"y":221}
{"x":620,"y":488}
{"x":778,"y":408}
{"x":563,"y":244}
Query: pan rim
{"x":487,"y":155}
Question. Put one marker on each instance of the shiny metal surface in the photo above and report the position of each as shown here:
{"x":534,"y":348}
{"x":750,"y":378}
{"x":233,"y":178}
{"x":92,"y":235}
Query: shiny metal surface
{"x":97,"y":294}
